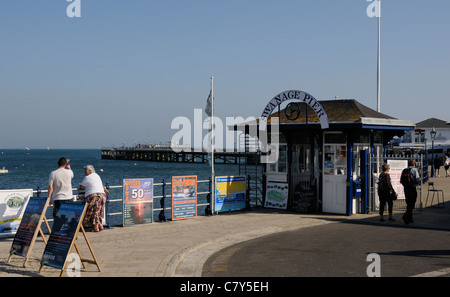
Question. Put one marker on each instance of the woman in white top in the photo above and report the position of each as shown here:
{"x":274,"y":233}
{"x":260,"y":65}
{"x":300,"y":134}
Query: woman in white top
{"x":446,"y":166}
{"x":95,"y":198}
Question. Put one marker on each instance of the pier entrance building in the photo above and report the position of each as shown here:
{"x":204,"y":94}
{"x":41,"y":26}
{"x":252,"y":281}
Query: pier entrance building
{"x":330,"y":153}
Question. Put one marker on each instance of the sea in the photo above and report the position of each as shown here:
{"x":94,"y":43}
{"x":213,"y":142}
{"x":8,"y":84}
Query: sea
{"x":30,"y":169}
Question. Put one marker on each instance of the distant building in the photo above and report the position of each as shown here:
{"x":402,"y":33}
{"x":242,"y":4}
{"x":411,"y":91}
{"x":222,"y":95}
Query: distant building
{"x":421,"y":133}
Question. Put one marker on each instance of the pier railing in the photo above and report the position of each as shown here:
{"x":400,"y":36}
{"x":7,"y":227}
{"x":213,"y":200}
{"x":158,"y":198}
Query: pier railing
{"x":162,"y":194}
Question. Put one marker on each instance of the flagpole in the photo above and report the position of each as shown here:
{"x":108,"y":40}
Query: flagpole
{"x":213,"y":180}
{"x":379,"y":58}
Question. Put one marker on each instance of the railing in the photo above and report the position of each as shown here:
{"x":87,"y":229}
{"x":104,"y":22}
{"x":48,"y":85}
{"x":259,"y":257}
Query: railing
{"x":162,"y":193}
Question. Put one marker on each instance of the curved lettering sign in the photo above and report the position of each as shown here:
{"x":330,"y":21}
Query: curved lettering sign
{"x":302,"y":97}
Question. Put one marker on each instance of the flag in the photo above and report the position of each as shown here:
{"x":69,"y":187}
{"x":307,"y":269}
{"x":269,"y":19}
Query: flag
{"x":208,"y":105}
{"x":208,"y":111}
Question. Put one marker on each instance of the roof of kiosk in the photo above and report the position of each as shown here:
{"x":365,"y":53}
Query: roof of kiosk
{"x":348,"y":112}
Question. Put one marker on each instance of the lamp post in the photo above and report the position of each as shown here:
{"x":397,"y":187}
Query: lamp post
{"x":433,"y":137}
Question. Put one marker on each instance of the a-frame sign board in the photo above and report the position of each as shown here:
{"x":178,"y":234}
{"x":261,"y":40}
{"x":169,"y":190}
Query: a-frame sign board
{"x":29,"y":227}
{"x":66,"y":226}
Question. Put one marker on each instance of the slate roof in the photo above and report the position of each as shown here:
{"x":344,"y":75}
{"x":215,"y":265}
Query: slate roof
{"x":433,"y":122}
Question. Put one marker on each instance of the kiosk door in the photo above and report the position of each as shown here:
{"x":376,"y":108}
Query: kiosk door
{"x":334,"y":177}
{"x":302,"y":178}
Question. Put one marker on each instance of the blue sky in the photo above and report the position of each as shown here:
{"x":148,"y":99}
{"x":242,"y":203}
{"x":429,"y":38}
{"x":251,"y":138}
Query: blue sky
{"x":125,"y":69}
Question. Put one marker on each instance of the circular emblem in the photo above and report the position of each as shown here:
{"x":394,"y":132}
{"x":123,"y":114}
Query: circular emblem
{"x":15,"y":202}
{"x":292,"y":111}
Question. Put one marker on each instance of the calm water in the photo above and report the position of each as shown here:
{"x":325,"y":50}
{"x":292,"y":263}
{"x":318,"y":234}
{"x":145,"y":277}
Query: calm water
{"x":31,"y":169}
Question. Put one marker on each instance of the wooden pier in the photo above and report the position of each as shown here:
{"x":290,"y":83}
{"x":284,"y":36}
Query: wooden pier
{"x":167,"y":154}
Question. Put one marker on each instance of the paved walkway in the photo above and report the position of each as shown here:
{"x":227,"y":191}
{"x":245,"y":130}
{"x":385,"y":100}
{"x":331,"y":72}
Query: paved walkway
{"x":180,"y":248}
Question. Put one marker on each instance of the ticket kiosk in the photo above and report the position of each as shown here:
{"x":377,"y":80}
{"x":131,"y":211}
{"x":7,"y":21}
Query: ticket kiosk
{"x":329,"y":152}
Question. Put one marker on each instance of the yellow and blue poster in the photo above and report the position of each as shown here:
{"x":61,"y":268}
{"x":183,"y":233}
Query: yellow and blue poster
{"x":230,"y":193}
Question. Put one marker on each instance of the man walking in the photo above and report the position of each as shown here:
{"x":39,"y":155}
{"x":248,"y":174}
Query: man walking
{"x":410,"y":179}
{"x":60,"y":184}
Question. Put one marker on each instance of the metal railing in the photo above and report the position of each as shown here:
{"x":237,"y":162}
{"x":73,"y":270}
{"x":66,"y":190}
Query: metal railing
{"x":162,"y":199}
{"x":162,"y":190}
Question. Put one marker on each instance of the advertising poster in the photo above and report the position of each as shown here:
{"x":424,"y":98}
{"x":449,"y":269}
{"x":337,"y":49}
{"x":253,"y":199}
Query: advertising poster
{"x":65,"y":226}
{"x":12,"y":207}
{"x":31,"y":220}
{"x":230,"y":193}
{"x":276,"y":195}
{"x":395,"y":172}
{"x":137,"y":201}
{"x":184,"y":197}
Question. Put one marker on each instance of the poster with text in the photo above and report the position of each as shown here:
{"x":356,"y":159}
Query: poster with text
{"x":65,"y":226}
{"x":230,"y":193}
{"x":276,"y":195}
{"x":31,"y":220}
{"x":184,"y":197}
{"x":12,"y":207}
{"x":395,"y":172}
{"x":137,"y":201}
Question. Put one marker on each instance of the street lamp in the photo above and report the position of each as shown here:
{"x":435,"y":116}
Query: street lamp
{"x":433,"y":137}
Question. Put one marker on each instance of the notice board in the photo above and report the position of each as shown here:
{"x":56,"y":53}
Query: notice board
{"x":137,"y":201}
{"x":230,"y":193}
{"x":12,"y":207}
{"x":396,"y":168}
{"x":65,"y":226}
{"x":276,"y":195}
{"x":184,"y":197}
{"x":29,"y":227}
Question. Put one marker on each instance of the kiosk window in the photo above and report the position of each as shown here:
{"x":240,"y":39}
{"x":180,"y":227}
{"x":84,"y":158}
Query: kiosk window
{"x":281,"y":165}
{"x":335,"y":159}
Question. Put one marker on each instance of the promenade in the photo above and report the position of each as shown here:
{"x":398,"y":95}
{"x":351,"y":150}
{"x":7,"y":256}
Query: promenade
{"x":180,"y":248}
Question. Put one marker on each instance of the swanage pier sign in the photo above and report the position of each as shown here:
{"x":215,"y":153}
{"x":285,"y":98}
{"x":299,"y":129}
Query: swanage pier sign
{"x":302,"y":97}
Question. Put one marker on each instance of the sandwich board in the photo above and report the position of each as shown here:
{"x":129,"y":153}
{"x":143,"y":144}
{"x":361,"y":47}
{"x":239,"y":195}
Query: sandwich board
{"x":66,"y":226}
{"x":29,"y":227}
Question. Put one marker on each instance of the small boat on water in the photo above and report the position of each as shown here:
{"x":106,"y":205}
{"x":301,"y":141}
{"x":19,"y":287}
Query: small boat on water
{"x":3,"y":170}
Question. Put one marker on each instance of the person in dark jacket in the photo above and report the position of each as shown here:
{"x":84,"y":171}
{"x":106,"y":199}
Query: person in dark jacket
{"x":409,"y":186}
{"x":385,"y":192}
{"x":437,"y":165}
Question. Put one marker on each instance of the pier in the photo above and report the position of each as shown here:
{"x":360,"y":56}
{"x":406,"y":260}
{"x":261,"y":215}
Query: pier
{"x":167,"y":154}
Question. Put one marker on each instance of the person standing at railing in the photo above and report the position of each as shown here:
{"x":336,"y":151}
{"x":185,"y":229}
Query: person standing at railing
{"x":60,"y":184}
{"x":95,"y":197}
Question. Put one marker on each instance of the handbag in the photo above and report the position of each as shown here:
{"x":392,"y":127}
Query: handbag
{"x":393,"y":195}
